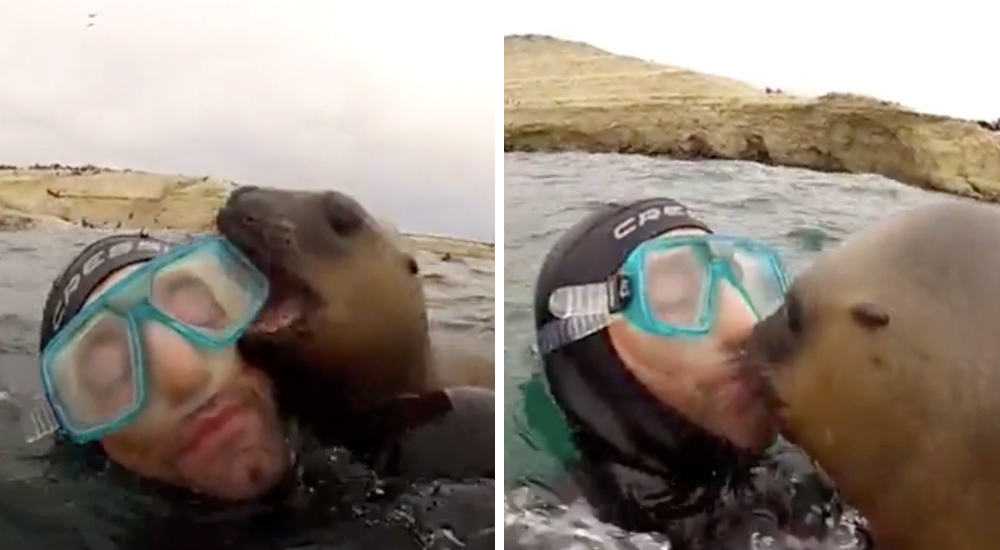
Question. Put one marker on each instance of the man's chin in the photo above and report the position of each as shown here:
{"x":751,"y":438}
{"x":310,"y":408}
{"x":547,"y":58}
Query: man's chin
{"x":761,"y":437}
{"x":244,"y":477}
{"x":754,"y":432}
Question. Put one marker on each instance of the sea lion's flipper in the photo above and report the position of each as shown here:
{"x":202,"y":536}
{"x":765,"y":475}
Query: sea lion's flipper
{"x":460,"y":360}
{"x":405,"y":413}
{"x":442,"y":434}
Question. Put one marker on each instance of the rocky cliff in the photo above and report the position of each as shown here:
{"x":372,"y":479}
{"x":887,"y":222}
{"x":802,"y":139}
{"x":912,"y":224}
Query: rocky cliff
{"x":562,"y":95}
{"x":57,"y":196}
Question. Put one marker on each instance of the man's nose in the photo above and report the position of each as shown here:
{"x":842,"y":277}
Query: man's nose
{"x":735,"y":318}
{"x":174,"y":364}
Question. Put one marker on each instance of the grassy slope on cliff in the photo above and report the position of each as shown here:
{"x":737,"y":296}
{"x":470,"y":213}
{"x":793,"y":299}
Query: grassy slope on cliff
{"x":561,"y":95}
{"x":57,"y":196}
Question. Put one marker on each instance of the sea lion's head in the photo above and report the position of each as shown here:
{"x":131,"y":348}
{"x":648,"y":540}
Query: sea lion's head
{"x":883,"y":364}
{"x":344,"y":294}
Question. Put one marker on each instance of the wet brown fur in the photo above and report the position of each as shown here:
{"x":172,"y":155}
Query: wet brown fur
{"x":886,"y":363}
{"x":365,"y":337}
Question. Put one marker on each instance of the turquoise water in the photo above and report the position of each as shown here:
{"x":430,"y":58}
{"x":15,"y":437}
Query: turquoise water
{"x":798,"y":211}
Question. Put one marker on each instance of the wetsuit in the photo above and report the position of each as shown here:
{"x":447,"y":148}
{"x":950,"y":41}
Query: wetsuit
{"x":391,"y":494}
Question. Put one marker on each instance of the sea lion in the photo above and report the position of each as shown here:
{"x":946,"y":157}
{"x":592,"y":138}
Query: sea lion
{"x":884,"y":365}
{"x":346,"y":326}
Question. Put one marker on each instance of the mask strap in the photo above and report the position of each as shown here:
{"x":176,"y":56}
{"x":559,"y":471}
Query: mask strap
{"x":39,"y":420}
{"x":582,"y":310}
{"x":560,"y":332}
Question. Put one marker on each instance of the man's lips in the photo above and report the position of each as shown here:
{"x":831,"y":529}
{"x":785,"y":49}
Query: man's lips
{"x":740,"y":391}
{"x":206,"y":424}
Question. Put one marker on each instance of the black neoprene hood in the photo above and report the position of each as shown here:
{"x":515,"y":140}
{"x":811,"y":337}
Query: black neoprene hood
{"x":98,"y":260}
{"x":599,"y":396}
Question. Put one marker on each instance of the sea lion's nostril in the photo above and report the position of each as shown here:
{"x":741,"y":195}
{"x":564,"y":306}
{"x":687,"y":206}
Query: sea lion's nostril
{"x":775,"y":338}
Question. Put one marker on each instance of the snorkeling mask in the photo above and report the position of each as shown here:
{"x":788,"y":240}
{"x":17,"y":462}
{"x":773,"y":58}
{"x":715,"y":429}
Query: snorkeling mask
{"x":669,"y":286}
{"x":94,"y":369}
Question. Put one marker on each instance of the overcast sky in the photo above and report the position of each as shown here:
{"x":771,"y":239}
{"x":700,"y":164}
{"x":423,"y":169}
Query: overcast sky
{"x":935,"y":56}
{"x":395,"y":105}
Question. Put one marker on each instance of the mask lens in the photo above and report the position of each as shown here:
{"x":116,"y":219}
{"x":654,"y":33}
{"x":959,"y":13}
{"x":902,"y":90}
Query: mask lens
{"x":674,"y":281}
{"x":180,"y":380}
{"x":93,"y":375}
{"x":759,"y":277}
{"x":209,"y":290}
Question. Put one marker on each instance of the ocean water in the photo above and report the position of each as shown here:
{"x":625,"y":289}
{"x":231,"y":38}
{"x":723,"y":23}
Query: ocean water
{"x":798,"y":211}
{"x":39,"y":510}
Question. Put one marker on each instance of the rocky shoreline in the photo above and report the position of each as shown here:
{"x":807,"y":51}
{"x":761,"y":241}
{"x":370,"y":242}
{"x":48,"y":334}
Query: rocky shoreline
{"x":53,"y":196}
{"x":570,"y":96}
{"x":58,"y":197}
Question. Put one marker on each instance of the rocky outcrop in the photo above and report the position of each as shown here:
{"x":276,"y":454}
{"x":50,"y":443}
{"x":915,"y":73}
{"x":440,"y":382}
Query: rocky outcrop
{"x":59,"y":196}
{"x":561,"y":95}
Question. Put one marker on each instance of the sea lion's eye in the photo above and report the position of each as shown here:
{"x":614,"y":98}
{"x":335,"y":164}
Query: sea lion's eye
{"x":412,"y":264}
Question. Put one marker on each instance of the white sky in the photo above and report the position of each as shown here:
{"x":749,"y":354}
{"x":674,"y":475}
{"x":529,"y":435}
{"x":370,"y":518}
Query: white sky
{"x":939,"y":57}
{"x":394,"y":104}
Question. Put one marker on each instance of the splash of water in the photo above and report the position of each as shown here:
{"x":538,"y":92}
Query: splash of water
{"x":532,"y":525}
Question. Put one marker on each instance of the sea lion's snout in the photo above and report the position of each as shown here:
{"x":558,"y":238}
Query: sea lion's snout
{"x":272,"y":225}
{"x":771,"y":345}
{"x":775,"y":338}
{"x":254,"y":225}
{"x":278,"y":228}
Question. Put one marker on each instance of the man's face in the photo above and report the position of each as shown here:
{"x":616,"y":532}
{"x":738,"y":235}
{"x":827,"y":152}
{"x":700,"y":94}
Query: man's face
{"x":231,"y":447}
{"x":701,"y":379}
{"x":209,"y":422}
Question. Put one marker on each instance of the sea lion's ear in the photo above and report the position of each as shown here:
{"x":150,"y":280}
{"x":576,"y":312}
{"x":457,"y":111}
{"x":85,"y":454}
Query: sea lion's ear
{"x":869,"y":315}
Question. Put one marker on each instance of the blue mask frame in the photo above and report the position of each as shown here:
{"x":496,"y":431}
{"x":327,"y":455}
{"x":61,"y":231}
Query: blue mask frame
{"x":637,"y":309}
{"x":581,"y":310}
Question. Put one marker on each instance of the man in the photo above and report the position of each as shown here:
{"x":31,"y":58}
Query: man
{"x":641,"y":312}
{"x":140,"y":368}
